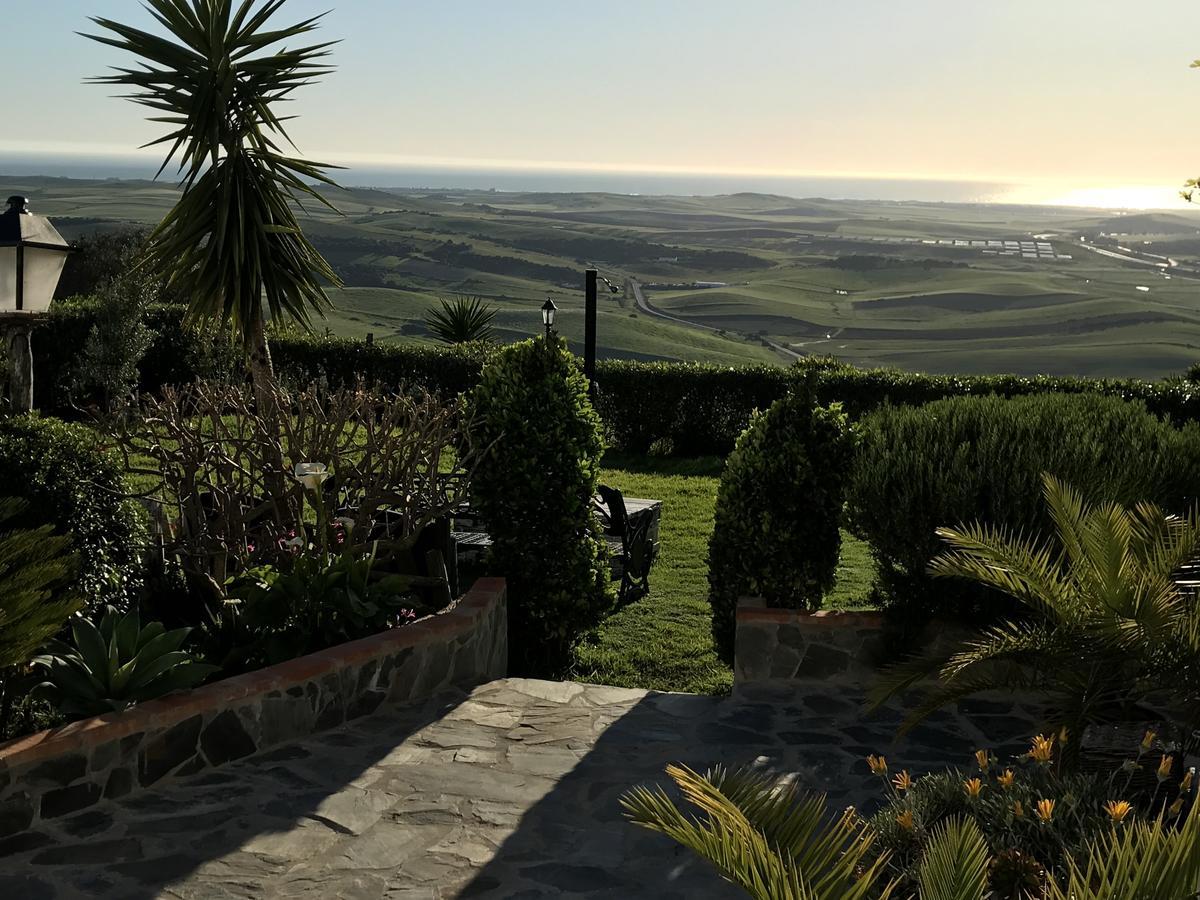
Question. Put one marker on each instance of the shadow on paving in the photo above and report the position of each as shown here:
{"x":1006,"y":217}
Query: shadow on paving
{"x":576,"y":842}
{"x":229,"y":832}
{"x":510,"y":791}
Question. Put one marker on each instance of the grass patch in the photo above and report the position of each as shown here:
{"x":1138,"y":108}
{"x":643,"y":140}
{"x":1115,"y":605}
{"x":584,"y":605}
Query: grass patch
{"x":663,"y":641}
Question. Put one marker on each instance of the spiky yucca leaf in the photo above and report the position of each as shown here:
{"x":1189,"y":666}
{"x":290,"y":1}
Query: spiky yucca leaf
{"x":461,"y":320}
{"x":763,"y":837}
{"x":233,"y":239}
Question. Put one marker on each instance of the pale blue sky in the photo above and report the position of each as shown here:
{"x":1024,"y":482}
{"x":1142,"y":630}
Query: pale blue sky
{"x":1093,"y":91}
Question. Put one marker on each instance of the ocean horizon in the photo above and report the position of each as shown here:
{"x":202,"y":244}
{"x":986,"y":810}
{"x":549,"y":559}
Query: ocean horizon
{"x":402,"y":177}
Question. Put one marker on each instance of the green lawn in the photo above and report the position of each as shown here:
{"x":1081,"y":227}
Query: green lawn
{"x":663,"y":641}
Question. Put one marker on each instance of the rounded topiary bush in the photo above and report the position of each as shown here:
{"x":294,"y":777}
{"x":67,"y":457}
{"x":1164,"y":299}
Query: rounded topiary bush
{"x":533,"y":489}
{"x":970,"y":459}
{"x":73,"y":484}
{"x":777,"y":526}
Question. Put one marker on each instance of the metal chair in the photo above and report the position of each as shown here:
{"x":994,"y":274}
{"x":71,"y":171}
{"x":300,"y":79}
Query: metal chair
{"x":635,"y":548}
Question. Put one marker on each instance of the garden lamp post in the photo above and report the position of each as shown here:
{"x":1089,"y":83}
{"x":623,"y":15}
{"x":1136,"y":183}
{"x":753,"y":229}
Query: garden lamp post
{"x":549,"y":312}
{"x":32,"y":256}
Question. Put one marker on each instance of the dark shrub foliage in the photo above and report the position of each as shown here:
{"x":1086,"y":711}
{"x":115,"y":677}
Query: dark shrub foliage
{"x":77,"y":487}
{"x":972,"y":459}
{"x":97,"y":259}
{"x":779,"y":509}
{"x":534,"y":490}
{"x":683,"y":408}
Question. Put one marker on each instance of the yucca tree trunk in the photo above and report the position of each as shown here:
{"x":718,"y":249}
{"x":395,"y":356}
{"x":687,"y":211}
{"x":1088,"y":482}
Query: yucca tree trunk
{"x":267,"y":401}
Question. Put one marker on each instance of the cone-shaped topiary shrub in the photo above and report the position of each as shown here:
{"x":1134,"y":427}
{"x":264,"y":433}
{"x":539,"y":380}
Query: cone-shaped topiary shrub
{"x":534,"y":490}
{"x":779,"y":507}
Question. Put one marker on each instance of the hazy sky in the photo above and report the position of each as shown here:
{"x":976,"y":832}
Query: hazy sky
{"x":1079,"y":91}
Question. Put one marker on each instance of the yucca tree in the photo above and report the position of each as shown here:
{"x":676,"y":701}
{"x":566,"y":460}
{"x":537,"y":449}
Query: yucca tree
{"x":1109,"y":636}
{"x":461,"y":320}
{"x":232,"y":243}
{"x":763,"y":836}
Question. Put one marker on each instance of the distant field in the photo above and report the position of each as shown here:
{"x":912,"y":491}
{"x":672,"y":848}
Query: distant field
{"x":922,"y":286}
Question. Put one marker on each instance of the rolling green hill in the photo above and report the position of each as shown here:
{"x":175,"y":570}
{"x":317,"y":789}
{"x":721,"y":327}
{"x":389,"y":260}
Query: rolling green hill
{"x":930,"y":286}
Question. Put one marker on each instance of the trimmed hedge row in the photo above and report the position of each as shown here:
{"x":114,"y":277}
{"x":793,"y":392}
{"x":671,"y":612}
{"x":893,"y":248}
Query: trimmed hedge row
{"x":686,"y":409}
{"x":981,"y":459}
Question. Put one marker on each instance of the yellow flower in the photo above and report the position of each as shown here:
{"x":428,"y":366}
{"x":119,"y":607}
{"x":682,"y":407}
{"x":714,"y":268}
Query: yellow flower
{"x":1186,"y":784}
{"x":1018,"y":809}
{"x":905,"y":820}
{"x":1042,"y":749}
{"x":1148,"y":740}
{"x":1006,"y":778}
{"x":1045,"y":810}
{"x":1164,"y":768}
{"x":1175,"y":808}
{"x":1118,"y":810}
{"x":878,"y":764}
{"x":903,"y":781}
{"x":973,"y":786}
{"x":1063,"y":736}
{"x":983,"y":760}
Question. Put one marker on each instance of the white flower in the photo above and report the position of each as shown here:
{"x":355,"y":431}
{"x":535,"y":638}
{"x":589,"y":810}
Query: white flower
{"x":311,"y":475}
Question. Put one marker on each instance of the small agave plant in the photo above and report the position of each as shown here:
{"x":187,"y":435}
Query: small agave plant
{"x":109,"y":667}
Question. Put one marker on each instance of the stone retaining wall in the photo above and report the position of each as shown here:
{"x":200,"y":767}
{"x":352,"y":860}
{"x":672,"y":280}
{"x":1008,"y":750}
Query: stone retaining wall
{"x":58,"y":772}
{"x":828,"y":645}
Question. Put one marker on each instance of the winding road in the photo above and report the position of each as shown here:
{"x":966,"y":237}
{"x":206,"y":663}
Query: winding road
{"x":643,"y":305}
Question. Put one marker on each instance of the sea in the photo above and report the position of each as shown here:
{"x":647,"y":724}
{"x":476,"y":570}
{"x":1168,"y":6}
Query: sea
{"x":927,"y":190}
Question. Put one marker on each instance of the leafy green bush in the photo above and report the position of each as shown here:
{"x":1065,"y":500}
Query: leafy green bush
{"x":779,"y":508}
{"x":320,"y":602}
{"x":73,"y":484}
{"x":982,"y":459}
{"x":109,"y":667}
{"x":534,"y":489}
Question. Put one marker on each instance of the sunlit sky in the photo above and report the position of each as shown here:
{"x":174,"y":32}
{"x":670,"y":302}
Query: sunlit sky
{"x":1071,"y":95}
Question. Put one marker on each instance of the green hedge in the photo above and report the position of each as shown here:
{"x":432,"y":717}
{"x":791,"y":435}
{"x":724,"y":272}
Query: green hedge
{"x":685,"y":409}
{"x":777,"y":531}
{"x":534,"y":489}
{"x":970,"y":459}
{"x":74,"y":484}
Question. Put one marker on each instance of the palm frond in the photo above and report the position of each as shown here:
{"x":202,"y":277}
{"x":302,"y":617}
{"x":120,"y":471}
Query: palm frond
{"x":461,"y":320}
{"x":762,"y":837}
{"x":955,"y":863}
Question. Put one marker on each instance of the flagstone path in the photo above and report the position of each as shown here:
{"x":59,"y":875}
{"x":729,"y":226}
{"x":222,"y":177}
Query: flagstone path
{"x":509,"y":791}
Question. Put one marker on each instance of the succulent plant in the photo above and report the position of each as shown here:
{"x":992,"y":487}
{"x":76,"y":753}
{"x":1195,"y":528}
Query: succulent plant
{"x":110,"y":666}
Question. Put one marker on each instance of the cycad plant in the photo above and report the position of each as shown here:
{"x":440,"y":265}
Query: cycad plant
{"x":233,"y":241}
{"x":36,"y":594}
{"x":110,"y":666}
{"x":764,"y":837}
{"x":1108,"y":636}
{"x":461,"y":320}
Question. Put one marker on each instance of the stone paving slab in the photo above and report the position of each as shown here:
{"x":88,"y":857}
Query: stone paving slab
{"x":509,"y":791}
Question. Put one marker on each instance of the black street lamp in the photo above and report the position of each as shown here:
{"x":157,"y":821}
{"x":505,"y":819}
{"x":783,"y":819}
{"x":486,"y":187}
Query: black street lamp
{"x":32,"y":256}
{"x":549,"y":311}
